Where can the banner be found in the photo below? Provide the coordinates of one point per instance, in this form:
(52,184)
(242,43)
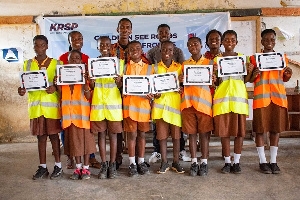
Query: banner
(144,29)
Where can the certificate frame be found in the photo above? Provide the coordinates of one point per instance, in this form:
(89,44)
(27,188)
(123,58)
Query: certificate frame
(146,89)
(259,57)
(188,70)
(156,87)
(91,68)
(60,79)
(222,69)
(42,85)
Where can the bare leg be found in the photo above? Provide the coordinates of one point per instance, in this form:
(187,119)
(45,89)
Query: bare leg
(55,146)
(193,144)
(225,146)
(102,145)
(205,144)
(42,145)
(259,139)
(176,148)
(238,145)
(113,146)
(141,144)
(274,139)
(163,150)
(131,143)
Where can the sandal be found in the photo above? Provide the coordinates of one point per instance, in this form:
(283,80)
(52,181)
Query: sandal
(94,163)
(70,163)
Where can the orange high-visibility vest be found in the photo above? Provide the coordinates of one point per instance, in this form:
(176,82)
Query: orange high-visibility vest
(138,108)
(268,86)
(198,96)
(75,107)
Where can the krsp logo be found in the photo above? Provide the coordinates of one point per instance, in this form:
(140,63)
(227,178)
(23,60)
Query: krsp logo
(62,27)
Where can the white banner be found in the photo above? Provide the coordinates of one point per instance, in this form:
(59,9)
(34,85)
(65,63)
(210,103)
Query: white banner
(144,29)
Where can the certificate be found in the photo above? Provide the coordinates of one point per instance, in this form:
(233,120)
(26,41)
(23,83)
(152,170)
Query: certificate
(103,67)
(167,82)
(34,80)
(270,61)
(231,66)
(70,74)
(197,74)
(136,85)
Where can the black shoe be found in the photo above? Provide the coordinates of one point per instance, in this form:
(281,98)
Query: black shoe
(164,167)
(103,170)
(176,167)
(40,173)
(203,170)
(118,164)
(275,169)
(265,168)
(132,170)
(57,173)
(194,169)
(236,169)
(76,174)
(226,168)
(143,168)
(112,170)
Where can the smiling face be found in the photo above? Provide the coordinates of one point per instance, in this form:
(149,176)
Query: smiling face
(124,29)
(76,41)
(229,42)
(194,46)
(104,46)
(163,34)
(40,47)
(74,58)
(135,52)
(214,41)
(167,50)
(268,41)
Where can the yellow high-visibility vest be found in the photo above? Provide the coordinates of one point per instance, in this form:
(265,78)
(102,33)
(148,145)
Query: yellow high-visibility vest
(40,103)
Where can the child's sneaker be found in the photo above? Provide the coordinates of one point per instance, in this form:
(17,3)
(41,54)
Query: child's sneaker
(143,168)
(85,174)
(275,169)
(203,170)
(176,167)
(236,169)
(183,156)
(103,171)
(57,173)
(265,168)
(194,169)
(132,170)
(226,168)
(40,173)
(154,157)
(164,167)
(76,175)
(112,170)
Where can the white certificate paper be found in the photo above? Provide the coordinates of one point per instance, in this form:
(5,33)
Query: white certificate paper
(136,85)
(103,67)
(167,82)
(34,80)
(197,74)
(231,66)
(70,74)
(270,61)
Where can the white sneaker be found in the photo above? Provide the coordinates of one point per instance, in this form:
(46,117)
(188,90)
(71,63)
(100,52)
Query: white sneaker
(183,156)
(154,157)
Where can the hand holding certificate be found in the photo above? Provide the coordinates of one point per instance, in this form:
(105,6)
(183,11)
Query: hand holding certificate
(70,74)
(231,66)
(103,67)
(34,80)
(270,61)
(198,74)
(136,85)
(167,82)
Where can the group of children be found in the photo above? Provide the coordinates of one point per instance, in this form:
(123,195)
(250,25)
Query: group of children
(99,107)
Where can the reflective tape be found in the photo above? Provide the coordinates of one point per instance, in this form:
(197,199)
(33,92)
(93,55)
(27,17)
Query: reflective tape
(50,104)
(75,103)
(34,103)
(282,96)
(77,117)
(167,108)
(198,99)
(204,87)
(225,78)
(135,109)
(149,70)
(262,96)
(28,67)
(109,107)
(232,99)
(105,85)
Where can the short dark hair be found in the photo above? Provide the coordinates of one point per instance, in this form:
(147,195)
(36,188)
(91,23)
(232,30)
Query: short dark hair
(103,37)
(266,31)
(40,37)
(229,32)
(163,25)
(124,20)
(211,32)
(70,35)
(196,39)
(167,42)
(74,51)
(134,42)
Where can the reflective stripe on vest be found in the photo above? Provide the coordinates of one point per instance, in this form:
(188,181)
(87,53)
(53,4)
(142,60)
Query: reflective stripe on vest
(167,108)
(198,99)
(136,109)
(105,85)
(235,99)
(110,107)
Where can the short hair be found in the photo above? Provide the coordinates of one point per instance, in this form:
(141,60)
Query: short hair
(196,39)
(266,31)
(211,32)
(229,32)
(74,51)
(71,33)
(134,42)
(103,37)
(40,37)
(125,20)
(167,42)
(163,25)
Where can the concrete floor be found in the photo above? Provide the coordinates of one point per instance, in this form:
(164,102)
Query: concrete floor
(19,161)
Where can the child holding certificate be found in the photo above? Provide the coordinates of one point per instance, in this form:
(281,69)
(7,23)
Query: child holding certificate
(166,111)
(136,111)
(270,113)
(196,110)
(230,107)
(79,141)
(44,112)
(106,113)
